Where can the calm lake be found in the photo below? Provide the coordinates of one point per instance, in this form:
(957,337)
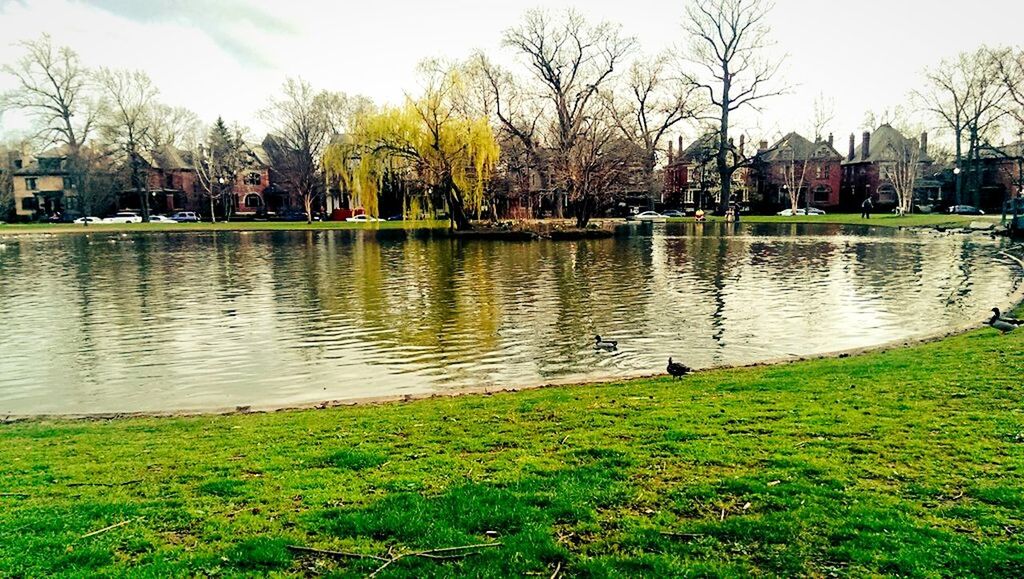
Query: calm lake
(157,322)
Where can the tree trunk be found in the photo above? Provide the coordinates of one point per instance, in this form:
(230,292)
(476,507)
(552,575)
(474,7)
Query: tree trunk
(722,160)
(458,219)
(213,213)
(958,176)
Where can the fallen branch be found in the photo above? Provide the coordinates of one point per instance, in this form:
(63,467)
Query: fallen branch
(335,554)
(681,535)
(558,569)
(105,529)
(97,484)
(444,553)
(17,495)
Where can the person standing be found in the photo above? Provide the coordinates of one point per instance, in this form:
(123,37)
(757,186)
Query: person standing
(865,208)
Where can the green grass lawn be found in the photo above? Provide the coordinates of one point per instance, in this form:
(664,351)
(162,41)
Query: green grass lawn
(877,220)
(908,462)
(220,226)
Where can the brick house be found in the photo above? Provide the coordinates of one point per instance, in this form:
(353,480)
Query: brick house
(173,185)
(864,169)
(691,178)
(1000,176)
(795,161)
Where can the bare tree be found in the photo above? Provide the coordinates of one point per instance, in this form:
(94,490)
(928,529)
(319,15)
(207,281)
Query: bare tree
(572,60)
(172,126)
(518,117)
(967,95)
(301,120)
(52,87)
(218,161)
(126,123)
(901,168)
(651,102)
(794,176)
(729,42)
(600,164)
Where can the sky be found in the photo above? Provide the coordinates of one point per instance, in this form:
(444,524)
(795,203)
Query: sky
(227,57)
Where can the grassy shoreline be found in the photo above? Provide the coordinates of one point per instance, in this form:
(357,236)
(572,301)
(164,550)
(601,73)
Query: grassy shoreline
(882,220)
(908,461)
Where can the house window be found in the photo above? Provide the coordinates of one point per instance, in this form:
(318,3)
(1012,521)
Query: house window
(819,172)
(17,164)
(828,171)
(169,181)
(822,194)
(252,200)
(30,184)
(29,204)
(253,179)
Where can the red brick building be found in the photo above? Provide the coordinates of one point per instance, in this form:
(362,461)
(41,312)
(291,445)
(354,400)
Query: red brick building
(173,185)
(796,162)
(691,176)
(864,169)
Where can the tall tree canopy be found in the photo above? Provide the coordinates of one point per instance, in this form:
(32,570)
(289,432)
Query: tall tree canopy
(432,138)
(729,40)
(571,60)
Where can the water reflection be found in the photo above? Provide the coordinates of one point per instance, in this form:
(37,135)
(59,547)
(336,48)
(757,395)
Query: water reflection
(158,322)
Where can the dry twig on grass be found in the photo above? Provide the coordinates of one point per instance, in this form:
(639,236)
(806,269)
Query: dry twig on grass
(444,554)
(105,529)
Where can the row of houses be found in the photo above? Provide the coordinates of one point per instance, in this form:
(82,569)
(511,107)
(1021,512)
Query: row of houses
(831,180)
(45,185)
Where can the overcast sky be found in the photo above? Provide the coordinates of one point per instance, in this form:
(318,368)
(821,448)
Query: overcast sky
(225,57)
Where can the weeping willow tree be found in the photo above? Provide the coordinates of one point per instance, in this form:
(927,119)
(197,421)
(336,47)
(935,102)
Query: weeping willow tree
(432,139)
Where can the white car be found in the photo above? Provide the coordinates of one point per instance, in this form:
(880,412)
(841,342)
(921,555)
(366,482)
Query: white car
(802,211)
(160,219)
(364,218)
(89,220)
(648,216)
(124,217)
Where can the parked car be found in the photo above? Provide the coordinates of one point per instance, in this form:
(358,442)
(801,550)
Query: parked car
(186,217)
(801,211)
(647,216)
(396,218)
(674,213)
(293,215)
(160,219)
(965,210)
(124,217)
(364,218)
(90,220)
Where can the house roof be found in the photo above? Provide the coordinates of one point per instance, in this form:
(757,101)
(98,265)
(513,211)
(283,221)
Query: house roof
(884,139)
(795,147)
(699,151)
(1009,151)
(167,158)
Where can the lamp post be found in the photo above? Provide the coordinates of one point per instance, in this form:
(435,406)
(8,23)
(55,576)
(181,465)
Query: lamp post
(956,181)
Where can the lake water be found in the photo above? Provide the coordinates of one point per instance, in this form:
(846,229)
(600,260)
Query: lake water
(157,322)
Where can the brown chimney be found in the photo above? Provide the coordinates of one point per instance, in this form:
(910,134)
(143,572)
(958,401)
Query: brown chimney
(924,144)
(762,146)
(680,145)
(865,145)
(743,143)
(830,139)
(670,152)
(853,149)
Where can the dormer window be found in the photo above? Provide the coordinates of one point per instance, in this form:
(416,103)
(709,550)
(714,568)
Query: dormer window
(31,184)
(253,179)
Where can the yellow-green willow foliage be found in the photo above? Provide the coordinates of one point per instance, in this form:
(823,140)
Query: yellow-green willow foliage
(426,140)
